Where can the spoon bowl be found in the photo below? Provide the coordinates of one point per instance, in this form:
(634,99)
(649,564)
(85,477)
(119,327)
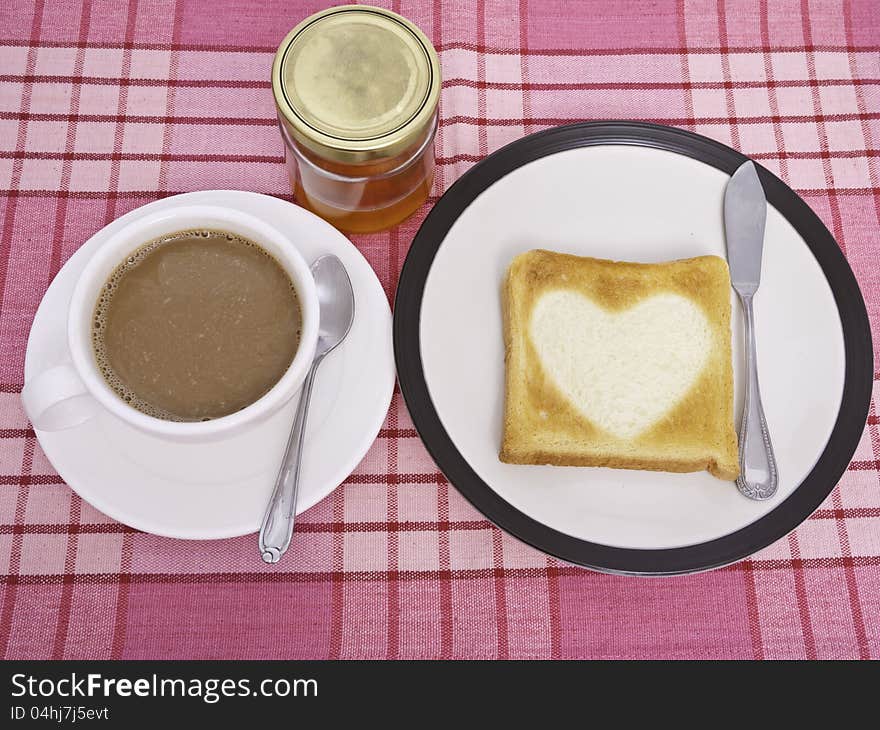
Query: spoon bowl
(336,303)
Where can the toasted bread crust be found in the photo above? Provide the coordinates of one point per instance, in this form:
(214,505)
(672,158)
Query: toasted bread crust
(726,471)
(541,427)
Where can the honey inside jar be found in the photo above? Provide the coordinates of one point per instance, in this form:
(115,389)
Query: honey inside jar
(356,90)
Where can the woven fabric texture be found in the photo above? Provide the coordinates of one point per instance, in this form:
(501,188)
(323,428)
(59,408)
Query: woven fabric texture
(107,105)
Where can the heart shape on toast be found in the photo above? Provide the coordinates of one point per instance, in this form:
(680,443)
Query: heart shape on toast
(622,370)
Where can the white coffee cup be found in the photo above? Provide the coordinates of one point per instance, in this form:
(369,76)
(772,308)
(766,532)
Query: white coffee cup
(72,392)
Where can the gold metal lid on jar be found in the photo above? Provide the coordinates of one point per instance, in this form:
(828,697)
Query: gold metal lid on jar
(356,83)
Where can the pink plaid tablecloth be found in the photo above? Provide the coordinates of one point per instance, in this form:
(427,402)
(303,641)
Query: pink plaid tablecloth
(106,105)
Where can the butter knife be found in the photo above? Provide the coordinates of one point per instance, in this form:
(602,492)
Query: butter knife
(745,212)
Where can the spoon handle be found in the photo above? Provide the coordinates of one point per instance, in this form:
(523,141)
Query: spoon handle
(758,474)
(277,526)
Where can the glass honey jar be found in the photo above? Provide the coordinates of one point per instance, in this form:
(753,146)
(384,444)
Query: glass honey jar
(356,89)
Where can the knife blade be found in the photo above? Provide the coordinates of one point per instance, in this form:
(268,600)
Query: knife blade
(745,216)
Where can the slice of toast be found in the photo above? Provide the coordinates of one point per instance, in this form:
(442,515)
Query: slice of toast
(619,364)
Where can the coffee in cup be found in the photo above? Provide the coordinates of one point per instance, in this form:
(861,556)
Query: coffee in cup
(195,325)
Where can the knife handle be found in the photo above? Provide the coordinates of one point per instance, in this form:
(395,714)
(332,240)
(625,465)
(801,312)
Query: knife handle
(758,477)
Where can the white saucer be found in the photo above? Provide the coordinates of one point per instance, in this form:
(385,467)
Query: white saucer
(220,489)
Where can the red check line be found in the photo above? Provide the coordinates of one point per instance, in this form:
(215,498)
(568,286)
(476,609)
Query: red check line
(852,587)
(447,627)
(428,477)
(62,624)
(524,55)
(862,106)
(836,223)
(371,576)
(444,561)
(752,609)
(21,501)
(648,51)
(141,119)
(482,132)
(728,84)
(28,480)
(397,433)
(337,588)
(502,650)
(554,601)
(141,46)
(771,90)
(65,603)
(15,433)
(69,144)
(846,513)
(393,538)
(439,183)
(446,612)
(119,131)
(801,595)
(670,121)
(123,582)
(245,577)
(685,65)
(812,155)
(725,69)
(168,129)
(120,623)
(128,81)
(139,157)
(445,121)
(145,195)
(864,465)
(442,524)
(20,139)
(875,446)
(242,84)
(150,195)
(775,155)
(462,46)
(279,159)
(70,528)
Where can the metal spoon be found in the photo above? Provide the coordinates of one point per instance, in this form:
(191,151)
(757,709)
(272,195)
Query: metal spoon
(336,300)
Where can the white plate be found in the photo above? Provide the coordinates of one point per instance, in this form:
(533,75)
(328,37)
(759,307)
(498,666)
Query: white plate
(625,202)
(220,489)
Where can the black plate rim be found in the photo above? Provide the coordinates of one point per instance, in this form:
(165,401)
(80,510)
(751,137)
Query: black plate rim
(784,518)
